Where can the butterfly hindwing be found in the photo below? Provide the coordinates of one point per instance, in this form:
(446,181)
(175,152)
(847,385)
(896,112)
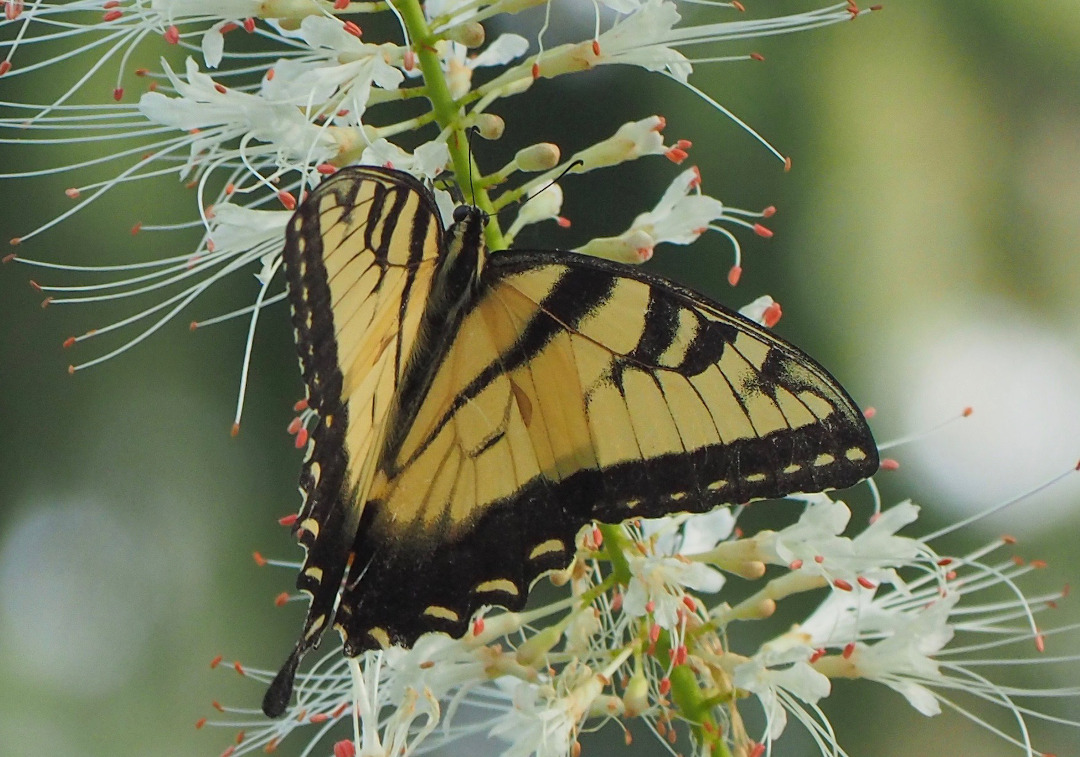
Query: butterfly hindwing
(575,390)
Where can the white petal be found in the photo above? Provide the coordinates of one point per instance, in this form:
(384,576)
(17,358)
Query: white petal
(505,48)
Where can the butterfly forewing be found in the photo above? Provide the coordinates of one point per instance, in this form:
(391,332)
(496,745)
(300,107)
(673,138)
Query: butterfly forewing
(484,427)
(359,258)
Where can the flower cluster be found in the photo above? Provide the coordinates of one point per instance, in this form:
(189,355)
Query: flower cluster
(645,634)
(253,103)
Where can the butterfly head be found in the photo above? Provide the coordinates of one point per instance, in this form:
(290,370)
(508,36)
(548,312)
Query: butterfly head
(467,236)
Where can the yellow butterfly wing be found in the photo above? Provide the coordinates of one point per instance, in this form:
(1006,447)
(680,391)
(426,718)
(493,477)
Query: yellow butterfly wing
(359,257)
(575,390)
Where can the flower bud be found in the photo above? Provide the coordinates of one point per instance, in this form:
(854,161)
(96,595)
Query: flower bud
(538,157)
(489,126)
(470,34)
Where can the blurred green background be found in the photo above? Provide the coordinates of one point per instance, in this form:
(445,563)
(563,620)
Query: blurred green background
(925,250)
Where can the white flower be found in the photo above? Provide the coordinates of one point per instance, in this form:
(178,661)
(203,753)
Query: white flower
(780,676)
(658,584)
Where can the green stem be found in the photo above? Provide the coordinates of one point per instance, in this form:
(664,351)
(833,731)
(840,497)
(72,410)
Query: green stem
(447,113)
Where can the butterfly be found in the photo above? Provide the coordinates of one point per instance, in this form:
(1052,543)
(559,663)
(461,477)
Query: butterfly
(475,411)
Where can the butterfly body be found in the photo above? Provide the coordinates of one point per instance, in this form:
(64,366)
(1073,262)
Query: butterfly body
(476,411)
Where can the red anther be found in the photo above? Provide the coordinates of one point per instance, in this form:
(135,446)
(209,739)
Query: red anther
(345,747)
(738,6)
(535,70)
(734,274)
(269,74)
(342,113)
(200,723)
(950,576)
(111,4)
(295,425)
(1040,642)
(9,257)
(301,405)
(35,285)
(769,212)
(695,182)
(757,56)
(217,706)
(239,668)
(239,737)
(819,559)
(249,25)
(326,168)
(616,602)
(478,627)
(598,538)
(654,633)
(281,599)
(71,370)
(340,710)
(665,686)
(287,200)
(849,649)
(234,431)
(967,411)
(259,559)
(763,231)
(228,752)
(596,47)
(69,342)
(889,464)
(318,717)
(15,241)
(45,302)
(795,564)
(650,606)
(353,29)
(563,222)
(172,35)
(772,315)
(787,164)
(676,155)
(118,94)
(869,412)
(340,5)
(229,27)
(817,654)
(153,86)
(216,661)
(1066,590)
(287,520)
(944,561)
(408,60)
(842,585)
(72,192)
(680,655)
(136,228)
(644,253)
(1038,564)
(1017,560)
(691,605)
(866,583)
(210,246)
(5,67)
(301,438)
(220,88)
(112,15)
(230,188)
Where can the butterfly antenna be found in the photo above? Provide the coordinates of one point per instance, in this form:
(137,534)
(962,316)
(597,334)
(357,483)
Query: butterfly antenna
(562,173)
(472,190)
